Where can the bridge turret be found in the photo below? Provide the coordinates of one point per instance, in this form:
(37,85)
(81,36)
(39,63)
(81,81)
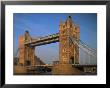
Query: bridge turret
(62,24)
(26,31)
(27,36)
(69,22)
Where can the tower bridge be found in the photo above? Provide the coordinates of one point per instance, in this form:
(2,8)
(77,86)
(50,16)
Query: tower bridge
(69,50)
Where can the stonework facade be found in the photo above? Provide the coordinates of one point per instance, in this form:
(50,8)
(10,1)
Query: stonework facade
(26,53)
(69,52)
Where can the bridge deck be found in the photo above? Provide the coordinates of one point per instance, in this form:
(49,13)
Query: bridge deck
(44,40)
(76,65)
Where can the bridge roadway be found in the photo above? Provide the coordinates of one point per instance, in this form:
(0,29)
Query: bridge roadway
(44,40)
(50,66)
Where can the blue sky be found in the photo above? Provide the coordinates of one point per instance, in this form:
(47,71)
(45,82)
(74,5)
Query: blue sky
(46,24)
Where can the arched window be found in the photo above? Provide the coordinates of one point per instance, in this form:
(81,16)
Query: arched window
(72,60)
(28,63)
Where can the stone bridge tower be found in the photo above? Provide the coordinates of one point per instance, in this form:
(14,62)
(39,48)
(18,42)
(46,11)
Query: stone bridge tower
(68,51)
(26,53)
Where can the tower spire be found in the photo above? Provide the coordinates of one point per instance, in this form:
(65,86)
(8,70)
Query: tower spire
(69,22)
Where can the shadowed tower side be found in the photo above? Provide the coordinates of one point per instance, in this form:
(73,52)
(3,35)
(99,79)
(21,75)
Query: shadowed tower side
(26,53)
